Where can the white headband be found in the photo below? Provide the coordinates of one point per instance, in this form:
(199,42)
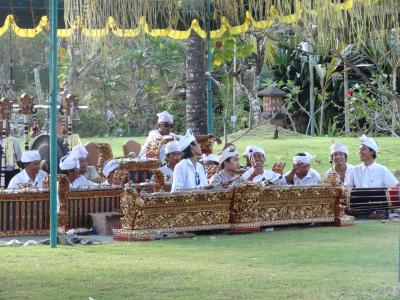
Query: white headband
(369,142)
(303,159)
(339,147)
(69,162)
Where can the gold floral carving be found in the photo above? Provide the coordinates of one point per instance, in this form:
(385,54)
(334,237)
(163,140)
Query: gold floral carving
(211,170)
(5,108)
(63,190)
(332,179)
(167,211)
(134,165)
(105,153)
(132,208)
(26,103)
(158,179)
(206,142)
(153,149)
(246,203)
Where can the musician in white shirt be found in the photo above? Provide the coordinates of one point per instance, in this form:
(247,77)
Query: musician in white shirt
(109,170)
(173,156)
(339,153)
(229,162)
(69,166)
(257,173)
(189,173)
(369,173)
(163,133)
(302,173)
(31,174)
(89,172)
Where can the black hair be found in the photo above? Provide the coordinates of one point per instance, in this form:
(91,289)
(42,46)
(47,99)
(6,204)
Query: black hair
(301,154)
(373,153)
(187,153)
(223,163)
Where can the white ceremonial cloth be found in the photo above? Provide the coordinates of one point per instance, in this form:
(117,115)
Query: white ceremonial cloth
(267,175)
(349,167)
(22,178)
(374,175)
(311,178)
(17,153)
(184,176)
(81,182)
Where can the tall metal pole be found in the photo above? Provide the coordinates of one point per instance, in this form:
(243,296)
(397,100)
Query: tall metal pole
(311,71)
(209,86)
(346,100)
(53,121)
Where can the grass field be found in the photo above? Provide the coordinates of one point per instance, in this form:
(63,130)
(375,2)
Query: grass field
(288,144)
(357,262)
(304,262)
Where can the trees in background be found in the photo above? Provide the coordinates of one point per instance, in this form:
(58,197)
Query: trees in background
(140,77)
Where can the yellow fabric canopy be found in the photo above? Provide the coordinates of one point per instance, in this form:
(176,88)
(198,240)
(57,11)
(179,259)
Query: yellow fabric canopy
(112,28)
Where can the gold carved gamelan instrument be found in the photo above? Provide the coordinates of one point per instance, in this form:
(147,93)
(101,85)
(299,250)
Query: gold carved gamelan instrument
(27,109)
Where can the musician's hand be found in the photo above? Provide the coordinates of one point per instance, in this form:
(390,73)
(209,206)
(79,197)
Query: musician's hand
(225,184)
(166,139)
(278,167)
(258,170)
(266,182)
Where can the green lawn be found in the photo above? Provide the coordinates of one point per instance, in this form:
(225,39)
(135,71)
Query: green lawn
(357,262)
(287,145)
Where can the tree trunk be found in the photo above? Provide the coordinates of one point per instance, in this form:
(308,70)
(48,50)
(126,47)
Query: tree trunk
(394,101)
(196,105)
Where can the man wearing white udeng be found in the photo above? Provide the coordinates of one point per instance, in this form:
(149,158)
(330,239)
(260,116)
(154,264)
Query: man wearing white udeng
(369,173)
(339,154)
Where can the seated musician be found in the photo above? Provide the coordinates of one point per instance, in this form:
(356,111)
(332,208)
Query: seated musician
(247,153)
(173,156)
(109,170)
(189,173)
(211,164)
(162,133)
(339,153)
(89,172)
(31,174)
(369,173)
(257,173)
(302,173)
(210,160)
(70,166)
(230,165)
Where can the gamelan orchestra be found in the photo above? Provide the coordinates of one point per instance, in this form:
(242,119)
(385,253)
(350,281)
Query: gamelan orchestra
(175,183)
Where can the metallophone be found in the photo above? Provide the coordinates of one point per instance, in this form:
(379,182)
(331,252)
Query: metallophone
(246,207)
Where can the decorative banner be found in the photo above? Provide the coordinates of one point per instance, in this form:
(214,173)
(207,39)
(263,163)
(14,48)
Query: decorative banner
(112,27)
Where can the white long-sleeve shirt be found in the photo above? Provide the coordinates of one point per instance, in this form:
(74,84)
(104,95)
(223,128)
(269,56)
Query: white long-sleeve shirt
(81,182)
(267,175)
(16,152)
(374,175)
(184,176)
(22,178)
(311,178)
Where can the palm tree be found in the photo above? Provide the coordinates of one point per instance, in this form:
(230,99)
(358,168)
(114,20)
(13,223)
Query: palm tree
(196,105)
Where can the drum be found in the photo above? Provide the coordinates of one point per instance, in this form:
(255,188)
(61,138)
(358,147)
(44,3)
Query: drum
(41,143)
